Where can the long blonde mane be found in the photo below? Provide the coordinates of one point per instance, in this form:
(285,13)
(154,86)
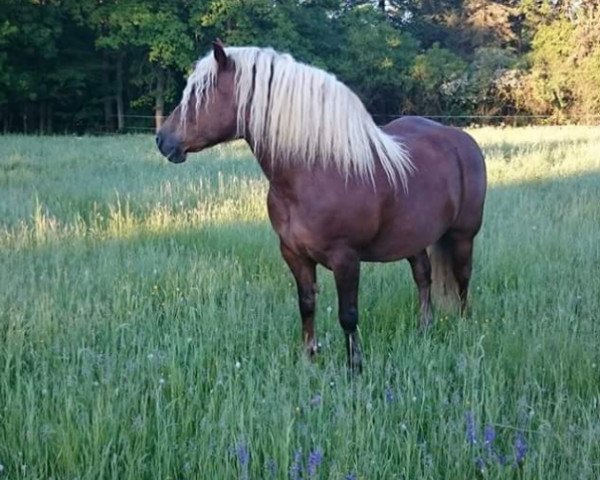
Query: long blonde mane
(300,113)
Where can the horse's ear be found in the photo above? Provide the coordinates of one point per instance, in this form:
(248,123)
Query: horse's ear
(219,53)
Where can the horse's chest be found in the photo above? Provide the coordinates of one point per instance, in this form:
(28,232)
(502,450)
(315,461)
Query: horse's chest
(293,228)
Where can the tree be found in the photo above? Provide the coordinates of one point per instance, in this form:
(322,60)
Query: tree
(76,65)
(28,38)
(155,32)
(437,73)
(564,65)
(376,62)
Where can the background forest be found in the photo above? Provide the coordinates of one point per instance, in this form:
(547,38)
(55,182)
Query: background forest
(109,65)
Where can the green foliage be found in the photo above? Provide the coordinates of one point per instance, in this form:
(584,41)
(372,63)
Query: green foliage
(257,22)
(28,42)
(437,74)
(157,27)
(77,59)
(7,31)
(564,75)
(376,61)
(305,29)
(486,69)
(589,91)
(552,69)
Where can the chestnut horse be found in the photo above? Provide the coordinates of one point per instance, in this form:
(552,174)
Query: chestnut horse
(341,189)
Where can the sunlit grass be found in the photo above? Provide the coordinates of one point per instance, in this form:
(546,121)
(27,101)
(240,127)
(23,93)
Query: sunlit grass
(149,328)
(516,155)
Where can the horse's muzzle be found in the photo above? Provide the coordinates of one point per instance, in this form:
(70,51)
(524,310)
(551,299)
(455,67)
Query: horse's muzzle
(170,147)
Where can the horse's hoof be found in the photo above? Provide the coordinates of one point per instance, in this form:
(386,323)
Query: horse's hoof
(426,318)
(312,350)
(426,324)
(354,371)
(355,366)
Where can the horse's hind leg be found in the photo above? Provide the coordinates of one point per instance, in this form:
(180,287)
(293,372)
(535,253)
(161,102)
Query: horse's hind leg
(461,248)
(304,271)
(421,271)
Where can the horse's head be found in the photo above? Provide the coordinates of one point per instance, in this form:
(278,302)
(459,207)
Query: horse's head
(207,114)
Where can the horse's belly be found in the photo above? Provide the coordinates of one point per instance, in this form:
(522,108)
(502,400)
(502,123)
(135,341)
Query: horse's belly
(390,251)
(408,232)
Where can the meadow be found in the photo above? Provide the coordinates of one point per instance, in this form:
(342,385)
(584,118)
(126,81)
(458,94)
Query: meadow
(149,328)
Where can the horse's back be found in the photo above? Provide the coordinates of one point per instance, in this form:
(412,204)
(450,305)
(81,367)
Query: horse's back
(425,130)
(421,134)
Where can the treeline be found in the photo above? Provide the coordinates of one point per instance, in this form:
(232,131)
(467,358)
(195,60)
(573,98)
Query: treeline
(107,65)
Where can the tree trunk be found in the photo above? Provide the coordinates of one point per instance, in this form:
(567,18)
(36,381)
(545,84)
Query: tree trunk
(159,106)
(42,116)
(48,117)
(109,122)
(119,93)
(381,4)
(25,119)
(8,121)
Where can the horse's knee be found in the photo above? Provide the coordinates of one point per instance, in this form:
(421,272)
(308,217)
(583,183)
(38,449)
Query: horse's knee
(349,319)
(307,304)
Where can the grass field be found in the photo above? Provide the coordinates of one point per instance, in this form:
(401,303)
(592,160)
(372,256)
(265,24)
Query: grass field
(149,328)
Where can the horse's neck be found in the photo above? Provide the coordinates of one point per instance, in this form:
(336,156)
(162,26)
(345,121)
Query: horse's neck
(266,161)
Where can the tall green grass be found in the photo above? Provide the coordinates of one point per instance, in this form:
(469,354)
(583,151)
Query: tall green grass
(149,328)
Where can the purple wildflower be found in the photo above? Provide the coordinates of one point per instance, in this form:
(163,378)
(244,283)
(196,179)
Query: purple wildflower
(489,435)
(296,467)
(243,456)
(314,461)
(351,476)
(389,395)
(470,427)
(316,400)
(520,448)
(480,464)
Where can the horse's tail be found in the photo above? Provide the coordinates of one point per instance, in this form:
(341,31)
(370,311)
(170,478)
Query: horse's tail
(444,288)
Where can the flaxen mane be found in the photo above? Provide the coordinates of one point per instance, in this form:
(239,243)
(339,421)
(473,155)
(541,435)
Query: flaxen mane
(301,113)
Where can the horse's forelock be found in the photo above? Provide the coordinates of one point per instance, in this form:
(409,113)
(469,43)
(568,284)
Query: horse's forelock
(199,86)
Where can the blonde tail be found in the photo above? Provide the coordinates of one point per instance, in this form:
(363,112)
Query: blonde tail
(444,288)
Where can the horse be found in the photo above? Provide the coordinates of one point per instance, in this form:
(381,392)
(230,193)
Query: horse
(341,189)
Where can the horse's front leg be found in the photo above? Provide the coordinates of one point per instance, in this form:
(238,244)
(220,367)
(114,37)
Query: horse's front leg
(304,271)
(346,270)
